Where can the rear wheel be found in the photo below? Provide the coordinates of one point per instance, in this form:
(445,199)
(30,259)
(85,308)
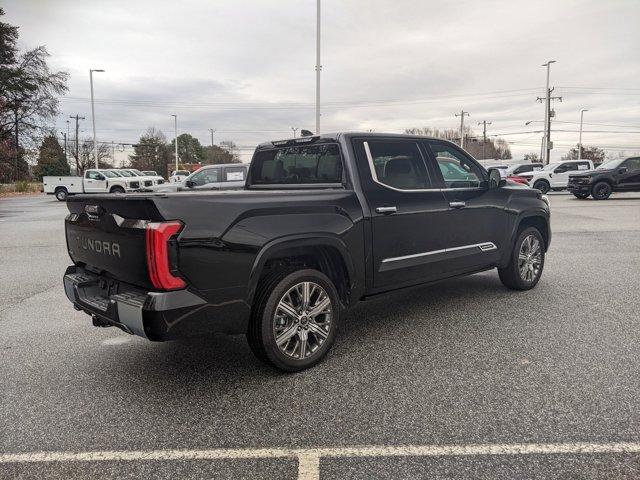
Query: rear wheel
(294,319)
(61,194)
(581,196)
(526,263)
(117,190)
(601,191)
(542,185)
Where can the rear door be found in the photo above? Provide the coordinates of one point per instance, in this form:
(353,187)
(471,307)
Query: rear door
(476,223)
(94,182)
(630,180)
(408,212)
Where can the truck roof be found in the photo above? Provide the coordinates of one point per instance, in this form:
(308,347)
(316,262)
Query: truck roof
(333,137)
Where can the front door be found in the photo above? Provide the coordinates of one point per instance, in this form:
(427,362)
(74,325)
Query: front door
(560,175)
(207,179)
(94,182)
(630,179)
(477,223)
(408,213)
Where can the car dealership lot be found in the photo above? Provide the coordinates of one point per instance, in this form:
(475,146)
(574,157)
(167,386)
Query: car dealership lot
(462,363)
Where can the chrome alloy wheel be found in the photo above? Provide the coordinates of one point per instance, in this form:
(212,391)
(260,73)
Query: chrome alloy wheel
(302,320)
(530,258)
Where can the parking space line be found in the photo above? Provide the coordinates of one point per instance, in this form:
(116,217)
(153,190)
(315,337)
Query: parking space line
(309,458)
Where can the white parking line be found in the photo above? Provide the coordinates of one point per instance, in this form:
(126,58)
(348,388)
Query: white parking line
(309,458)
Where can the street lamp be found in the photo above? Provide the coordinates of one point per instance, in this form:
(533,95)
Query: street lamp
(547,120)
(175,126)
(93,117)
(295,129)
(580,139)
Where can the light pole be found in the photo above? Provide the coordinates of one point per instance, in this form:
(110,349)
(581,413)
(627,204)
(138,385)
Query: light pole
(580,140)
(93,117)
(295,129)
(547,119)
(175,126)
(318,67)
(461,115)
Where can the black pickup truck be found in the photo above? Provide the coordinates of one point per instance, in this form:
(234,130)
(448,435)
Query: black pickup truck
(323,222)
(620,175)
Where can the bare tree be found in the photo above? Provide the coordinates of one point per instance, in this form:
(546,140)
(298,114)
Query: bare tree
(86,156)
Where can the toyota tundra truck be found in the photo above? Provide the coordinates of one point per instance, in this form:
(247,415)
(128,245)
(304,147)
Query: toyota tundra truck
(322,222)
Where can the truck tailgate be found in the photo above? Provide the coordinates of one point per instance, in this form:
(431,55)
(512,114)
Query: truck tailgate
(107,235)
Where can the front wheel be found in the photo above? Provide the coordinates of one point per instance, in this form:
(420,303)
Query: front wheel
(294,319)
(526,262)
(117,190)
(542,185)
(581,196)
(601,191)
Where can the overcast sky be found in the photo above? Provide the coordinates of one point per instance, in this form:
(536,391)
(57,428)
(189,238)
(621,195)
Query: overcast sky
(246,68)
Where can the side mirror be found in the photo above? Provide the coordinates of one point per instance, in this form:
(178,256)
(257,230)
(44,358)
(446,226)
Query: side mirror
(190,183)
(622,170)
(495,178)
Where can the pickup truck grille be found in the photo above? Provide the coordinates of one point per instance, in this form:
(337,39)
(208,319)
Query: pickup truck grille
(134,184)
(148,183)
(160,182)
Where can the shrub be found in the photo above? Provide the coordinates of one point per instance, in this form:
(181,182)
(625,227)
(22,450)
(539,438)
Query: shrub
(22,186)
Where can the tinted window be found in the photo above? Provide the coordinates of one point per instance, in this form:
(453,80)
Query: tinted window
(234,174)
(632,164)
(457,170)
(205,176)
(397,164)
(297,165)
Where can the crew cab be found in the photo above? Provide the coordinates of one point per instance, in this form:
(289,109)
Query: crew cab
(322,222)
(93,181)
(555,176)
(210,177)
(620,175)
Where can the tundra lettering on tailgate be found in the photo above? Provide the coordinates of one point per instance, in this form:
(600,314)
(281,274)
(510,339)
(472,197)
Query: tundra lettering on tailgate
(98,246)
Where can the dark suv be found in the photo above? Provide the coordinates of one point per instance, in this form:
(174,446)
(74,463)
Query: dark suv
(620,175)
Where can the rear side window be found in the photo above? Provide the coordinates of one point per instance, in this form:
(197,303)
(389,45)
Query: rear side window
(397,164)
(306,164)
(234,174)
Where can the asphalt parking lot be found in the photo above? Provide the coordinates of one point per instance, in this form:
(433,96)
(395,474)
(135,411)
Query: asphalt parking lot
(540,384)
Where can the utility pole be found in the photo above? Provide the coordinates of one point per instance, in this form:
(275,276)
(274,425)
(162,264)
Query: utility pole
(93,117)
(64,135)
(175,125)
(68,138)
(461,115)
(295,129)
(77,118)
(580,140)
(212,130)
(318,67)
(484,124)
(548,144)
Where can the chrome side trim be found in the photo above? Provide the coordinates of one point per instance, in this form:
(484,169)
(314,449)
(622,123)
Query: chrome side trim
(484,247)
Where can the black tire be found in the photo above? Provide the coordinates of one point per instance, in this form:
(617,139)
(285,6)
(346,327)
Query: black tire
(581,196)
(542,185)
(601,191)
(510,275)
(261,334)
(61,194)
(116,190)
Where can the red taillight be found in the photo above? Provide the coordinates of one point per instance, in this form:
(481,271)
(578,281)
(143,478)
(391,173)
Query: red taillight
(157,237)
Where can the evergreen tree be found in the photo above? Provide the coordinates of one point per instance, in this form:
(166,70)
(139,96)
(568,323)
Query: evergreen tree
(51,159)
(189,149)
(152,152)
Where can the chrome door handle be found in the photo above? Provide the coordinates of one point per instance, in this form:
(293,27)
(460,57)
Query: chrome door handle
(386,209)
(457,204)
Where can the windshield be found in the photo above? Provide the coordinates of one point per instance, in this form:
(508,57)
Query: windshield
(124,173)
(109,173)
(148,172)
(180,172)
(137,172)
(611,164)
(551,166)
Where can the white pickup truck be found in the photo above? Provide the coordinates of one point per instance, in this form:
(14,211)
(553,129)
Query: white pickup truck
(93,181)
(555,176)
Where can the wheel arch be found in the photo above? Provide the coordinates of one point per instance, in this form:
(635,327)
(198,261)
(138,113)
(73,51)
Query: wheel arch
(540,222)
(325,253)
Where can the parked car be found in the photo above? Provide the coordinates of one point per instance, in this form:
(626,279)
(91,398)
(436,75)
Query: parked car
(159,180)
(620,175)
(555,176)
(520,168)
(93,181)
(322,223)
(518,179)
(178,176)
(210,177)
(146,181)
